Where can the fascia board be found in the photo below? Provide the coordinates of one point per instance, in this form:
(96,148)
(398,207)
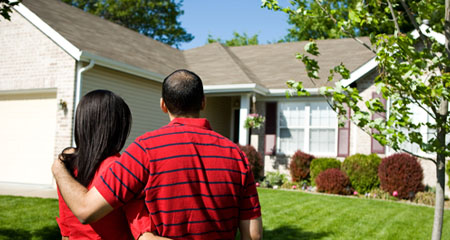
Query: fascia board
(427,31)
(360,72)
(120,66)
(48,31)
(282,92)
(235,88)
(251,88)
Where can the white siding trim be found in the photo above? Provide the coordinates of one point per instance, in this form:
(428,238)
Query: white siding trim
(28,91)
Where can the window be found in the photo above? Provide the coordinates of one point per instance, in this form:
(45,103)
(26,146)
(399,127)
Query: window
(419,115)
(308,126)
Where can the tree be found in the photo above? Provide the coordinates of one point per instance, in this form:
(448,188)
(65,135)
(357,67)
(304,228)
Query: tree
(5,8)
(311,22)
(413,70)
(237,40)
(154,18)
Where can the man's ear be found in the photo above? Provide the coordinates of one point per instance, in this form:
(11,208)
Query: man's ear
(203,103)
(163,106)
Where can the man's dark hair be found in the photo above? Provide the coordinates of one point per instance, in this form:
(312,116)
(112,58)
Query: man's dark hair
(102,125)
(182,92)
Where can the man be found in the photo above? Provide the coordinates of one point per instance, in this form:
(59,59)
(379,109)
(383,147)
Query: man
(196,183)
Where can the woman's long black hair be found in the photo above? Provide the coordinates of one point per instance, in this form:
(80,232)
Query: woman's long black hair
(102,125)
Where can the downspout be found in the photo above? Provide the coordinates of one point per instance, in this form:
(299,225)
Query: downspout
(79,80)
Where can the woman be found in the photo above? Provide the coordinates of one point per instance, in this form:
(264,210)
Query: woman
(102,125)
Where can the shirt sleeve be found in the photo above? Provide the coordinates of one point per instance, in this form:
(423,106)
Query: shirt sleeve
(62,219)
(138,218)
(125,178)
(249,205)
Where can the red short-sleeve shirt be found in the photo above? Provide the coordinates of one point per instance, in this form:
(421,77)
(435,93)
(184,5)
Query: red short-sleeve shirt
(197,183)
(115,225)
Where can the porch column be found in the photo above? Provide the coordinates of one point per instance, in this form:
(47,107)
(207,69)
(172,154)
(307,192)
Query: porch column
(243,113)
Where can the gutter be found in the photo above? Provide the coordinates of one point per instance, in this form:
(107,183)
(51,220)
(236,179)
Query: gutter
(78,86)
(251,88)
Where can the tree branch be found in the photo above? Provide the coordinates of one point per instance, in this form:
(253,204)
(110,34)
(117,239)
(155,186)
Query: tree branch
(414,23)
(394,17)
(343,29)
(418,156)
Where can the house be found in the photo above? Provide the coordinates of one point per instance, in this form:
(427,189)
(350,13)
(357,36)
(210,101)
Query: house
(53,53)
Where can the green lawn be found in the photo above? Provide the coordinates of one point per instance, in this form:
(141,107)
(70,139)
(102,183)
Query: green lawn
(28,218)
(295,215)
(287,215)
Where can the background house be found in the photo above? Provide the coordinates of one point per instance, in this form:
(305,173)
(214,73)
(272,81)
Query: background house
(53,53)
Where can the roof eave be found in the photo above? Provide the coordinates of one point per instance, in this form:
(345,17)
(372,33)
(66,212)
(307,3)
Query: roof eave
(80,55)
(48,31)
(252,88)
(121,66)
(360,72)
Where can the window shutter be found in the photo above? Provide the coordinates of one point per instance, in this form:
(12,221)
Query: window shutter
(376,147)
(271,128)
(344,136)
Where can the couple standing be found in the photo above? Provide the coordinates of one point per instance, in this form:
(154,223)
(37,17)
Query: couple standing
(182,181)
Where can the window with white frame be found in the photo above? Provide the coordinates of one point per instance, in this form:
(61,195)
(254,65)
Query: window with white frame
(419,115)
(307,126)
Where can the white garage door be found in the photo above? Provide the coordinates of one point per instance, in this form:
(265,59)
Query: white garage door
(27,137)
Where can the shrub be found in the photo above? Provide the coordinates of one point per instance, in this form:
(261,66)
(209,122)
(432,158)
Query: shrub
(362,170)
(275,179)
(320,164)
(299,166)
(401,172)
(447,169)
(380,194)
(290,185)
(427,198)
(333,181)
(255,160)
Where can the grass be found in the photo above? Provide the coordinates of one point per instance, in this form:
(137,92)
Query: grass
(295,215)
(287,215)
(28,218)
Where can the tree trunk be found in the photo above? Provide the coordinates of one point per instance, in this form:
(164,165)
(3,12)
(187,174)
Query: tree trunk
(440,161)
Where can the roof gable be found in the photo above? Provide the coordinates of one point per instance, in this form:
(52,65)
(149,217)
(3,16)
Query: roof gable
(100,37)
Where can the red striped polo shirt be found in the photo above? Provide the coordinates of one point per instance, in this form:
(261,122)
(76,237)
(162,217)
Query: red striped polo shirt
(196,183)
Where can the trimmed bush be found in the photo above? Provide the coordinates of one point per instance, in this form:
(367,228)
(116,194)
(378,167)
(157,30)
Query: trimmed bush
(299,166)
(321,164)
(362,170)
(255,160)
(333,181)
(401,172)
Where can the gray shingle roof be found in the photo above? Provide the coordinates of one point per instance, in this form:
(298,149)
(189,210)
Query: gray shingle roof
(268,65)
(101,37)
(273,64)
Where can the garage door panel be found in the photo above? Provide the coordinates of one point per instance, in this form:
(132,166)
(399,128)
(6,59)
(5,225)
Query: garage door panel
(27,127)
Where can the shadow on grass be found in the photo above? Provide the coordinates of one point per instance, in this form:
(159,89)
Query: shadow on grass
(292,233)
(47,232)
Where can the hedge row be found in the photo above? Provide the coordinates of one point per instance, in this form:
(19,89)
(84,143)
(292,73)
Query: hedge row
(399,174)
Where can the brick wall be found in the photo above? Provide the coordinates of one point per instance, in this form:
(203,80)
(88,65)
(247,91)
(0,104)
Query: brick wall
(29,61)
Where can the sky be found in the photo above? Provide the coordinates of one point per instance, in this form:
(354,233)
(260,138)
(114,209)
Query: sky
(221,18)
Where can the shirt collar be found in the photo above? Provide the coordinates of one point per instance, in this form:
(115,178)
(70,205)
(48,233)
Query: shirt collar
(193,122)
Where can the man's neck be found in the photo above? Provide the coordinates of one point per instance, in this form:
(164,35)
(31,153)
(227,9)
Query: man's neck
(194,115)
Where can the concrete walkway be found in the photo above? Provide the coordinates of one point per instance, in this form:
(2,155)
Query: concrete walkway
(28,190)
